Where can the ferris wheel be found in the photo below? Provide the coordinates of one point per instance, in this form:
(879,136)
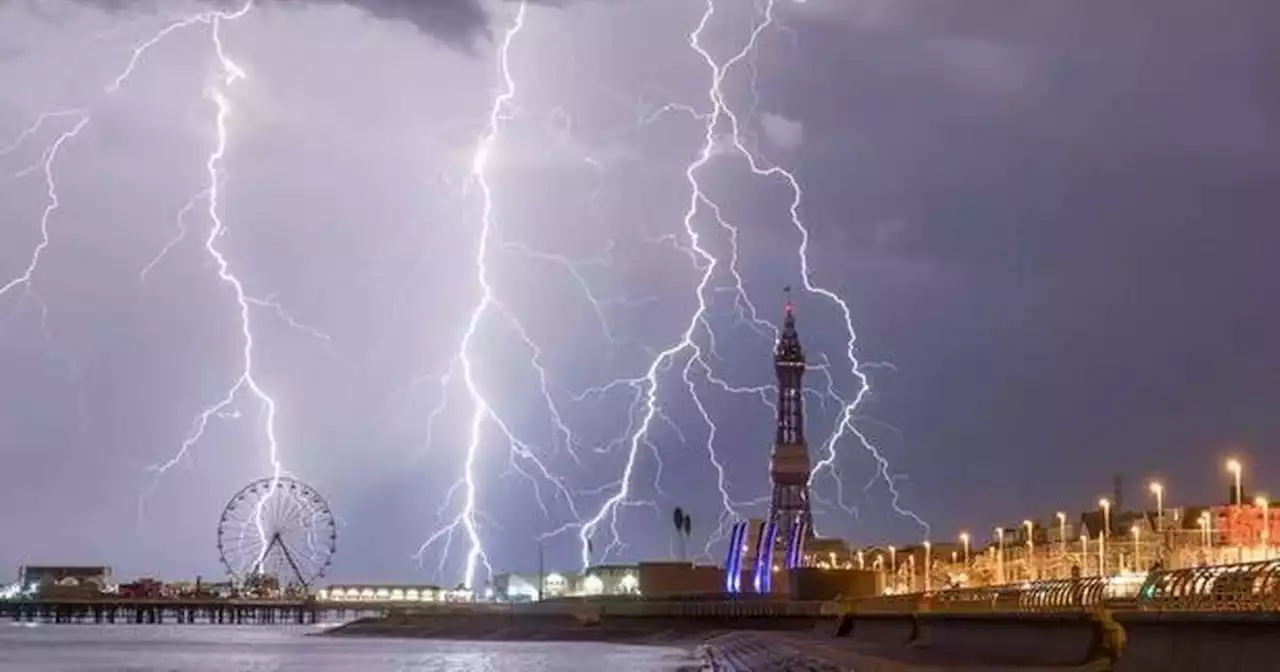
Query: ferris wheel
(277,529)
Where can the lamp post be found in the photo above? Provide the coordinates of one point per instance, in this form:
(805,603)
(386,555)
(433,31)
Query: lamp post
(1137,538)
(964,541)
(893,566)
(1031,549)
(1206,530)
(1105,505)
(1157,489)
(928,548)
(1236,469)
(1265,505)
(1062,542)
(1000,555)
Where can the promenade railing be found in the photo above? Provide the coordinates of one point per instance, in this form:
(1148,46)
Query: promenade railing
(1244,587)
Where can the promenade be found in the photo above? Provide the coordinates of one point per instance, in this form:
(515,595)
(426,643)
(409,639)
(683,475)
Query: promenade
(1204,619)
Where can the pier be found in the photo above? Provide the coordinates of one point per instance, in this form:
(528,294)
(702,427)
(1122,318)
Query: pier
(185,611)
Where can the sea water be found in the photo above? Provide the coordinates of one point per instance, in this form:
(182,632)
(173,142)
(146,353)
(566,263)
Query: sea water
(224,648)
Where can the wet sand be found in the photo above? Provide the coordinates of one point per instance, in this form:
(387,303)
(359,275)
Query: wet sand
(509,627)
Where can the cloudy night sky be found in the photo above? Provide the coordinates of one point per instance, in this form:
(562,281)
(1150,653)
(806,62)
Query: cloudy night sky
(1053,224)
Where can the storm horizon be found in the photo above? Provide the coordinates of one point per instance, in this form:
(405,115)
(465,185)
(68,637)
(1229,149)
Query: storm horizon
(506,269)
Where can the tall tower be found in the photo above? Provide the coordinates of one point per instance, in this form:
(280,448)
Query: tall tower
(789,463)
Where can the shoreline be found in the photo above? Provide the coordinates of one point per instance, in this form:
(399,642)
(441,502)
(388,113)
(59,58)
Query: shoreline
(661,632)
(639,631)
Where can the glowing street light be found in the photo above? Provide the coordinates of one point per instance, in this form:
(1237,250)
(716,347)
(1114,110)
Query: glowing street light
(1157,489)
(1236,469)
(1031,548)
(928,549)
(1105,504)
(1000,555)
(964,540)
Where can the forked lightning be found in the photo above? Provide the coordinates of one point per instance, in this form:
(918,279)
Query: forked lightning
(689,351)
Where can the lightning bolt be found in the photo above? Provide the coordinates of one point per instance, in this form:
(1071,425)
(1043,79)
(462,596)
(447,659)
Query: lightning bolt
(845,424)
(523,456)
(246,379)
(647,403)
(692,352)
(47,164)
(721,113)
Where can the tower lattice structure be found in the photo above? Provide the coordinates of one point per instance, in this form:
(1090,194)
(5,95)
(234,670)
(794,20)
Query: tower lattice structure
(789,462)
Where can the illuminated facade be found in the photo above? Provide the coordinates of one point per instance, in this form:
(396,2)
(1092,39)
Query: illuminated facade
(389,593)
(65,580)
(1250,525)
(598,580)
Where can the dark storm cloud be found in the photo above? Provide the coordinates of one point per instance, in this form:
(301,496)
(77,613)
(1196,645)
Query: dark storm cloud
(1097,183)
(459,23)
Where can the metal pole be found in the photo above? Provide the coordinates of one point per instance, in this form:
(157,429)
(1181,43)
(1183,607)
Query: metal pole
(927,563)
(1102,554)
(1000,555)
(542,581)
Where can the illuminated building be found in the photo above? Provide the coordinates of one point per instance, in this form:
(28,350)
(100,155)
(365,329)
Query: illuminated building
(65,580)
(369,593)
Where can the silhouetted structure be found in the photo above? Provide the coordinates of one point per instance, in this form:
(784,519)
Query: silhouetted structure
(789,465)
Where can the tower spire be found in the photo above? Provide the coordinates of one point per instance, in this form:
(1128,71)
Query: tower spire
(789,512)
(789,365)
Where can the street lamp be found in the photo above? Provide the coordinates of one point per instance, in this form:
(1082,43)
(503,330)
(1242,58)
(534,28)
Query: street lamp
(1000,555)
(1236,469)
(1265,505)
(1137,537)
(1157,489)
(1105,504)
(1031,549)
(1062,539)
(928,547)
(964,540)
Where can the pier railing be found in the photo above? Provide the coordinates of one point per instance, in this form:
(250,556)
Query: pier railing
(1245,587)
